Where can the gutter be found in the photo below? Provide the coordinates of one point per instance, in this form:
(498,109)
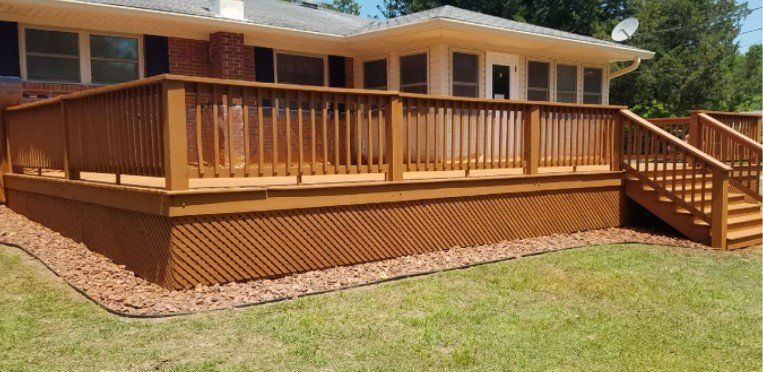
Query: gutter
(625,70)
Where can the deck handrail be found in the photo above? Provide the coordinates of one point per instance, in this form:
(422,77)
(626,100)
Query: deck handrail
(741,152)
(749,124)
(673,168)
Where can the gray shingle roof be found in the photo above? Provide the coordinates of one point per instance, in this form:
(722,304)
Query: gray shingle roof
(290,15)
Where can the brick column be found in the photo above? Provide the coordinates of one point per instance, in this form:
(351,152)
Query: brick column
(228,55)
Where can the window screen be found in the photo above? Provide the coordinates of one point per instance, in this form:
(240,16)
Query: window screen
(303,70)
(375,74)
(414,74)
(592,82)
(113,59)
(465,75)
(52,55)
(566,83)
(538,81)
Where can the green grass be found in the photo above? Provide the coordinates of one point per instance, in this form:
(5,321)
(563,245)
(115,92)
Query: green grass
(622,307)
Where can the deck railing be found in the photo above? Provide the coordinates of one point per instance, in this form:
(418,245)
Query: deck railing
(678,171)
(749,124)
(185,128)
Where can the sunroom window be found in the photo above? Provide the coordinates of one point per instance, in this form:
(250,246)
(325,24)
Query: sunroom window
(592,85)
(375,74)
(566,83)
(52,56)
(538,81)
(465,75)
(113,59)
(297,69)
(414,74)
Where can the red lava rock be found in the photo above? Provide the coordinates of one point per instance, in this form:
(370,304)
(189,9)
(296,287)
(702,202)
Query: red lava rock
(118,289)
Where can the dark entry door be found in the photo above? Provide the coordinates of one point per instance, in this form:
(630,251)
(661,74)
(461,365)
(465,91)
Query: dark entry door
(501,81)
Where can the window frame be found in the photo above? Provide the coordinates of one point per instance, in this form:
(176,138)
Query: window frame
(324,57)
(400,69)
(85,61)
(480,69)
(604,72)
(551,78)
(363,70)
(578,82)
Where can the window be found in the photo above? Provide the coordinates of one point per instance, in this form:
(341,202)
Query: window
(375,74)
(52,56)
(303,70)
(414,74)
(566,83)
(465,75)
(538,81)
(592,84)
(113,59)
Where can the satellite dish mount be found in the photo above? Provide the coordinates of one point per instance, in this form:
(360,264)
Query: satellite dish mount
(625,29)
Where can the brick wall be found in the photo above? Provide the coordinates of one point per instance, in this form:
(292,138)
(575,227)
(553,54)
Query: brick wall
(229,56)
(189,57)
(36,91)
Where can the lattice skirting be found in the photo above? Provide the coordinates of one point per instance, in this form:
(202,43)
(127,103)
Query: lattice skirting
(181,252)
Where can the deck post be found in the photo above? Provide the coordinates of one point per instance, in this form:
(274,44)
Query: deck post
(5,159)
(394,139)
(6,138)
(719,218)
(532,139)
(70,171)
(694,129)
(618,132)
(174,130)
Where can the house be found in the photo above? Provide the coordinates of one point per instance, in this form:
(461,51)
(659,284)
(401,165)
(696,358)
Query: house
(63,46)
(198,141)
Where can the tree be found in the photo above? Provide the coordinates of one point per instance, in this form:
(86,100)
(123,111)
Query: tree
(696,63)
(344,6)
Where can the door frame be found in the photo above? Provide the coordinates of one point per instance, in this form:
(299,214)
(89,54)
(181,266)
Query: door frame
(504,59)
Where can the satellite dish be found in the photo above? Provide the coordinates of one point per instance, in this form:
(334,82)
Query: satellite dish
(625,29)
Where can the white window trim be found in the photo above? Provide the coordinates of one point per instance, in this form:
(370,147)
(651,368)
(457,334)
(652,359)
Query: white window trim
(363,61)
(578,78)
(551,77)
(84,52)
(480,69)
(322,56)
(400,67)
(604,79)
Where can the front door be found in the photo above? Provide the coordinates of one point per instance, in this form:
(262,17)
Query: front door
(501,82)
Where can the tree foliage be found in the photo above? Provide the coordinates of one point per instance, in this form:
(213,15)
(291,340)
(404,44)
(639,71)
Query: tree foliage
(344,6)
(697,63)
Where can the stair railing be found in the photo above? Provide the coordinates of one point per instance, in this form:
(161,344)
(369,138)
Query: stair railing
(733,148)
(678,171)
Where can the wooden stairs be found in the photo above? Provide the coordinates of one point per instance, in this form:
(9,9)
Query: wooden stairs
(744,226)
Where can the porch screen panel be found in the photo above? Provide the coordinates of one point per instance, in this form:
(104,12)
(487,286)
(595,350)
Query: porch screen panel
(414,73)
(538,81)
(592,85)
(302,70)
(375,74)
(566,83)
(52,56)
(465,75)
(113,59)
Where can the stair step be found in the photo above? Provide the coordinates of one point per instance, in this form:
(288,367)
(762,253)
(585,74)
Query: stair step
(744,238)
(744,221)
(733,198)
(734,209)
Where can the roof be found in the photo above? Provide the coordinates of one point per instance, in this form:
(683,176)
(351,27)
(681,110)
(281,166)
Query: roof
(290,15)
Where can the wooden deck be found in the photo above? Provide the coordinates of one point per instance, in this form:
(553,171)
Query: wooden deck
(189,180)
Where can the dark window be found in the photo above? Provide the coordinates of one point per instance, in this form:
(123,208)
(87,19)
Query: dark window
(592,84)
(156,54)
(466,75)
(52,55)
(113,59)
(375,74)
(566,83)
(414,74)
(9,49)
(337,72)
(263,65)
(538,81)
(303,70)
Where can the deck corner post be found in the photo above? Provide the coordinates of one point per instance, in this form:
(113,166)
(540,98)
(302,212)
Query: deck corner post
(694,129)
(394,137)
(532,139)
(174,130)
(5,160)
(720,202)
(70,171)
(618,134)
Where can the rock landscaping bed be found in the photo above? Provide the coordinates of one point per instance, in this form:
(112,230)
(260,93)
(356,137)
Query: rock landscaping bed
(120,291)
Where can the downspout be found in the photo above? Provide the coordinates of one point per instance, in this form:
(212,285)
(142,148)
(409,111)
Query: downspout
(627,69)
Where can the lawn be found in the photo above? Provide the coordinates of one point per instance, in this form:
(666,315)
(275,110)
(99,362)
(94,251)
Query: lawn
(619,307)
